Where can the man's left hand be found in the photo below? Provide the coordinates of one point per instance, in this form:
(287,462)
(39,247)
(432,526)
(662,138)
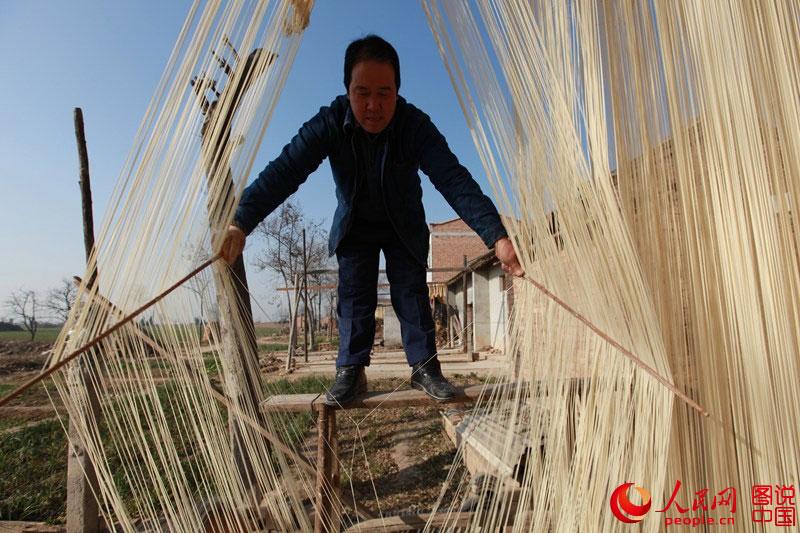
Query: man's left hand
(505,252)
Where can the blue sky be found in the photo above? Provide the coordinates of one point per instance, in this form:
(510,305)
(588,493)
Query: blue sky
(106,57)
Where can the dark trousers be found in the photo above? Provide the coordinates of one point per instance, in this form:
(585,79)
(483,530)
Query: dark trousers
(358,255)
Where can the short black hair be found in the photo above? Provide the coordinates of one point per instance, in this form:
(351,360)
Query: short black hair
(370,48)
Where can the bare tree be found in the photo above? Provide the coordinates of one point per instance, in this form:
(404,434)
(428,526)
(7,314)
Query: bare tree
(61,299)
(23,305)
(282,233)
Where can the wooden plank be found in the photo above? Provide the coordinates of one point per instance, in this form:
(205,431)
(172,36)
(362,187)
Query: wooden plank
(372,400)
(413,522)
(408,398)
(453,521)
(289,403)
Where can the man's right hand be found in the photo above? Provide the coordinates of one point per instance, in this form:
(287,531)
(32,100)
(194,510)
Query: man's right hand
(233,244)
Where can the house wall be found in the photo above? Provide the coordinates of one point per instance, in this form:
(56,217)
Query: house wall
(391,329)
(449,242)
(455,296)
(482,320)
(498,320)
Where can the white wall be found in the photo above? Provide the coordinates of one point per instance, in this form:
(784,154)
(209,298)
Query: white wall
(497,309)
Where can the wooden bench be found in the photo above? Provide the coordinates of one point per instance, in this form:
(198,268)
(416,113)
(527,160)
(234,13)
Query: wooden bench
(328,515)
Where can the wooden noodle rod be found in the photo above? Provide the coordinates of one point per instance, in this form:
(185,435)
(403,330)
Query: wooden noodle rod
(106,333)
(632,356)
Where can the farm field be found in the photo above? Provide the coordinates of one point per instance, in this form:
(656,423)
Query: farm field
(407,466)
(42,335)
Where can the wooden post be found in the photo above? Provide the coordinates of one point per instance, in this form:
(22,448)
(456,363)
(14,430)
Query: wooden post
(446,319)
(464,325)
(328,515)
(331,318)
(305,299)
(82,508)
(333,472)
(243,382)
(508,290)
(450,320)
(319,315)
(323,521)
(293,324)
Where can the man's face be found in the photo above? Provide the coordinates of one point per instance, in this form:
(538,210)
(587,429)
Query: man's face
(373,94)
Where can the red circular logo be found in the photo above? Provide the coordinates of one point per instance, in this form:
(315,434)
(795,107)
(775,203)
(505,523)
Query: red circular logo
(621,504)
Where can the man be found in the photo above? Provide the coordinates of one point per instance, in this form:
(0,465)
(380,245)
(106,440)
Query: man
(376,142)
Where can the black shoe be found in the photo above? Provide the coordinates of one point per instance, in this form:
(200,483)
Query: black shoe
(350,382)
(427,377)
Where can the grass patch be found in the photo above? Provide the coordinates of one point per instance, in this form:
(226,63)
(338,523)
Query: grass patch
(34,465)
(277,347)
(39,394)
(186,334)
(33,462)
(43,335)
(213,366)
(294,425)
(268,331)
(12,422)
(304,385)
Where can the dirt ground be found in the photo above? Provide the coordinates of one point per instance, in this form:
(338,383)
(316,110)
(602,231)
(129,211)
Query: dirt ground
(393,460)
(401,455)
(22,356)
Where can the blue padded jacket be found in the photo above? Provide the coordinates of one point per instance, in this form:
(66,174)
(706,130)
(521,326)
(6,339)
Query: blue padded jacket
(412,144)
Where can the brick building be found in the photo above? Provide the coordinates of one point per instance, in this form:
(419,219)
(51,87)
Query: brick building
(450,241)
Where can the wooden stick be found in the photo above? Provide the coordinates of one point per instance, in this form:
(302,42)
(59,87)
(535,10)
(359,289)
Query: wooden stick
(293,326)
(82,509)
(33,381)
(633,357)
(86,190)
(305,299)
(465,336)
(333,475)
(322,519)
